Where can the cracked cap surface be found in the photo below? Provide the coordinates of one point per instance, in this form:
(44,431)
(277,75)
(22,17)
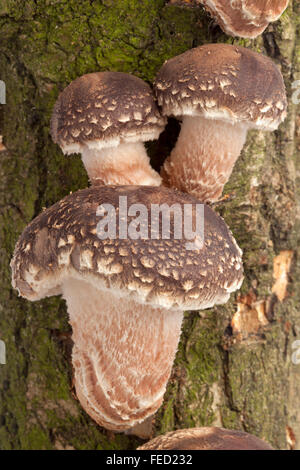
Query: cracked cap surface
(62,242)
(104,109)
(221,81)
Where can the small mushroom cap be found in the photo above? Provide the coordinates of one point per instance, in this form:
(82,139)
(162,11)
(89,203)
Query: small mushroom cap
(62,242)
(245,18)
(206,439)
(220,81)
(104,109)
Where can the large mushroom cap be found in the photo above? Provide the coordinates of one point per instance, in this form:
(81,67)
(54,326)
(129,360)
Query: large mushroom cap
(221,81)
(62,242)
(206,439)
(245,18)
(104,109)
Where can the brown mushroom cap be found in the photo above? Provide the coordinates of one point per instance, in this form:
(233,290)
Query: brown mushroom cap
(221,81)
(104,109)
(245,18)
(62,242)
(206,439)
(125,295)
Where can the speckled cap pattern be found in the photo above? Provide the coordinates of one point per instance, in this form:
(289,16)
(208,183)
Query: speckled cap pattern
(103,109)
(62,242)
(220,81)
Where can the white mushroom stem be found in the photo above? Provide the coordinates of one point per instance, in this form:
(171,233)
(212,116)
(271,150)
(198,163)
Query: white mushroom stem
(122,356)
(127,164)
(203,158)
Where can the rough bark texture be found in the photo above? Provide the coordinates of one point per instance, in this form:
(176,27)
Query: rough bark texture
(238,374)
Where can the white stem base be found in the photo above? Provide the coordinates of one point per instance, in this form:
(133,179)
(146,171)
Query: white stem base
(122,356)
(203,158)
(126,164)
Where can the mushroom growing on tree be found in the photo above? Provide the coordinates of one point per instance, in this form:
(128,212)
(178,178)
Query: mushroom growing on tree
(106,116)
(245,18)
(220,92)
(206,439)
(125,295)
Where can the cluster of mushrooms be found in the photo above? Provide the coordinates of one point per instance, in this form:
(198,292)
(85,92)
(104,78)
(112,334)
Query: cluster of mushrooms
(126,297)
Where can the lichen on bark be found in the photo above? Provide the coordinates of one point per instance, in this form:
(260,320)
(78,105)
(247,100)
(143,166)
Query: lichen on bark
(241,382)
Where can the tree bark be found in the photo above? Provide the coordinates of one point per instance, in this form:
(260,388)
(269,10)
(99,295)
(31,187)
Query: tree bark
(234,365)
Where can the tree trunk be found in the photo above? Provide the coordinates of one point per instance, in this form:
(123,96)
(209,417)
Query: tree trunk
(234,365)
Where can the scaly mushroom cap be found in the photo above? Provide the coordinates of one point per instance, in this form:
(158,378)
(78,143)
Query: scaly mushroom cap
(62,243)
(206,439)
(245,18)
(125,295)
(105,109)
(224,82)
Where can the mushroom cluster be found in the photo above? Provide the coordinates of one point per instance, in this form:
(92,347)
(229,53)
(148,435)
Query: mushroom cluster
(126,296)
